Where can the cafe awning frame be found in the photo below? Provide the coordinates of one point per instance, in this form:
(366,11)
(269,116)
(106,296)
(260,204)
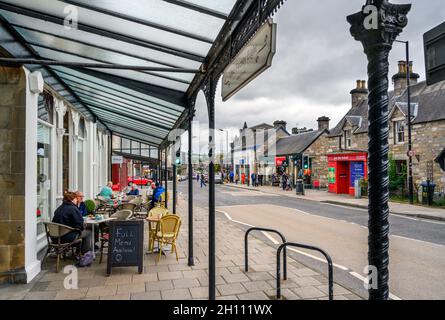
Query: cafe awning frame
(140,104)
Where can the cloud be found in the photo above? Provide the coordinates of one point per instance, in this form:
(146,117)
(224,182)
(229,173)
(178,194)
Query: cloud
(316,65)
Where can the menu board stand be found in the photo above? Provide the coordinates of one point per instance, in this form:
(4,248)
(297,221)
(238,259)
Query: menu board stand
(126,244)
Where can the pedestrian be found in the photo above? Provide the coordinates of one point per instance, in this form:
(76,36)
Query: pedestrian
(197,177)
(236,178)
(288,184)
(253,176)
(243,178)
(203,183)
(260,179)
(283,181)
(231,176)
(68,214)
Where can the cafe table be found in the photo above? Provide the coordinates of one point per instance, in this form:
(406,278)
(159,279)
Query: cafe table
(93,222)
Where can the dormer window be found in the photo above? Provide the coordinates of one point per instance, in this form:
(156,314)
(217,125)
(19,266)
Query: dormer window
(399,132)
(348,139)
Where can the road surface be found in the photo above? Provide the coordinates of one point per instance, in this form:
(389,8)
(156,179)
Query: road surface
(417,247)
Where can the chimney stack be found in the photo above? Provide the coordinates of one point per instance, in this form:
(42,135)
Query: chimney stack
(399,79)
(360,93)
(323,123)
(280,124)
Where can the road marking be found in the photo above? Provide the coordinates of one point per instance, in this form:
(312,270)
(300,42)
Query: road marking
(362,278)
(401,237)
(274,241)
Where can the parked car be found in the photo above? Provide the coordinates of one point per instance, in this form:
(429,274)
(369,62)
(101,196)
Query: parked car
(140,181)
(183,178)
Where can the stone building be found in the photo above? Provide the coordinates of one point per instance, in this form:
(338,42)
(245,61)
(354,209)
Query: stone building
(340,156)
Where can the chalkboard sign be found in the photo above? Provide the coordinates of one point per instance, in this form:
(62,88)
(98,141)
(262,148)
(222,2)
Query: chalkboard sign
(126,244)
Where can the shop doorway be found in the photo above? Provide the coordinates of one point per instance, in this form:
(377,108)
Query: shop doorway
(343,177)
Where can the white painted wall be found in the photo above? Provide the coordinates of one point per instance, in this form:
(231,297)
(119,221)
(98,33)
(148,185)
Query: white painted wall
(32,265)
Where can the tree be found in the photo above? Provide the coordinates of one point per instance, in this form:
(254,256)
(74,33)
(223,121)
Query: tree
(397,178)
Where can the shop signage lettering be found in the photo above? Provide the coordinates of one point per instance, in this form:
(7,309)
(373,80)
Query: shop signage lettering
(126,245)
(357,171)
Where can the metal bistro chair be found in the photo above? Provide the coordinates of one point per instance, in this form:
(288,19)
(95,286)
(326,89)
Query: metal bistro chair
(167,233)
(140,210)
(105,229)
(127,206)
(54,233)
(153,227)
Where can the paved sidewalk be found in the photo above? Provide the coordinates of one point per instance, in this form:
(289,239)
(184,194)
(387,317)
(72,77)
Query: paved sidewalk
(418,211)
(172,280)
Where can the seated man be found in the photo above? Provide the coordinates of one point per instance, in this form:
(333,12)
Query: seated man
(134,191)
(106,191)
(68,214)
(159,190)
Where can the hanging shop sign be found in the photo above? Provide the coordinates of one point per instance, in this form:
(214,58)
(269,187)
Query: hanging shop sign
(253,59)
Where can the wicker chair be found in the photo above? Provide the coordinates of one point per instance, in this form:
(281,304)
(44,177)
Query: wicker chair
(153,227)
(167,233)
(54,233)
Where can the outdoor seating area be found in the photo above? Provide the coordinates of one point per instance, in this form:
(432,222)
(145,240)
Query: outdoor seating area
(170,278)
(162,228)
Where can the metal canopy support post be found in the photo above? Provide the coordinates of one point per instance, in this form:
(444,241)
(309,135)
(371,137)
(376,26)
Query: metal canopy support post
(174,180)
(209,91)
(191,261)
(166,177)
(377,41)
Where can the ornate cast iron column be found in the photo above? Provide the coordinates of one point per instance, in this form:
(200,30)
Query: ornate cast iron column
(191,260)
(377,43)
(209,91)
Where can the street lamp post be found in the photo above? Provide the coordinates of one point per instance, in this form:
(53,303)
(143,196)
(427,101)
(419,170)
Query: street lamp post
(408,92)
(377,26)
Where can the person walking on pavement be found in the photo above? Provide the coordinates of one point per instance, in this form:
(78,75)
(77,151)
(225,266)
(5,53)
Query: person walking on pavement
(236,178)
(243,178)
(203,182)
(231,176)
(253,176)
(197,177)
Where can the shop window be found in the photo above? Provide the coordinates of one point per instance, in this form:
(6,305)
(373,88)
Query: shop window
(399,132)
(43,176)
(126,147)
(46,107)
(135,148)
(80,154)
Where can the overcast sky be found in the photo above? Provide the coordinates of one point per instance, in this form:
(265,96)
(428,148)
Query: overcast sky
(316,65)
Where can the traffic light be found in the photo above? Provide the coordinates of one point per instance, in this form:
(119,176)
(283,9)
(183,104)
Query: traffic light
(305,162)
(178,157)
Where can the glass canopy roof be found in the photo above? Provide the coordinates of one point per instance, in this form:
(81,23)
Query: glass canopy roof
(138,104)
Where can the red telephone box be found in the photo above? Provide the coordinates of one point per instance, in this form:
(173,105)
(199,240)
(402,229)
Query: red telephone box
(344,169)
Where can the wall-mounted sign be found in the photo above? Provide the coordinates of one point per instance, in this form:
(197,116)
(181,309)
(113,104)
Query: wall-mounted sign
(251,61)
(357,172)
(117,160)
(281,161)
(331,175)
(434,42)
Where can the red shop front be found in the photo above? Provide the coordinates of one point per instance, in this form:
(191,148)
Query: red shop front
(344,169)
